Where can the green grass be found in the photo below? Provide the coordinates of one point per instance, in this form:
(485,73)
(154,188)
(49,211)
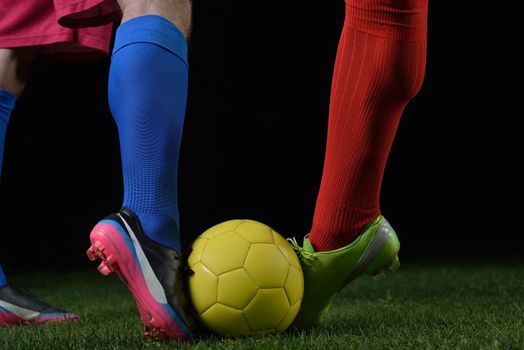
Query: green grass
(474,306)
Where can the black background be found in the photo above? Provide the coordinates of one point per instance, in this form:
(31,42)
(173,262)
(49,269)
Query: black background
(255,135)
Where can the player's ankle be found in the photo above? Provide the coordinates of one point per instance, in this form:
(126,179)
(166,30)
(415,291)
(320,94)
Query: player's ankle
(332,238)
(161,228)
(326,242)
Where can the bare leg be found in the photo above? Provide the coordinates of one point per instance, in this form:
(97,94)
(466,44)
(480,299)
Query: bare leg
(176,11)
(15,66)
(14,72)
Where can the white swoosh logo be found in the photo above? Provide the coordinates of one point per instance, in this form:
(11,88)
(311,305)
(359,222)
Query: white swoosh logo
(379,240)
(21,312)
(153,284)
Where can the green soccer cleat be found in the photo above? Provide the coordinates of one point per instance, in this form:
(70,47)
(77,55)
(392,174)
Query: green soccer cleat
(326,273)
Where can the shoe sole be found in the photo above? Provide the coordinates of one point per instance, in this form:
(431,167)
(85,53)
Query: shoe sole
(9,319)
(115,250)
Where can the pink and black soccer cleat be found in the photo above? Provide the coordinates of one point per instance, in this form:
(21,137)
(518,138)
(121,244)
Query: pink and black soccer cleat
(152,272)
(19,307)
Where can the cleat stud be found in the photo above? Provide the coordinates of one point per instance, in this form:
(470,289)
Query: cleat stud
(99,251)
(395,264)
(104,269)
(152,333)
(91,254)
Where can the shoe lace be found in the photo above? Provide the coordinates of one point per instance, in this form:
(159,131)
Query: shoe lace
(307,258)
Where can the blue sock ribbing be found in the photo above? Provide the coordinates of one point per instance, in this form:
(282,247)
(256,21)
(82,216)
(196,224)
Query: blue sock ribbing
(7,103)
(147,94)
(3,279)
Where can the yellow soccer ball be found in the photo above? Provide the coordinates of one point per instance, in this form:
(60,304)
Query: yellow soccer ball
(247,279)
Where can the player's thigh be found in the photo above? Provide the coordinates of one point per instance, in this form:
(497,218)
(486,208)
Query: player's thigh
(176,11)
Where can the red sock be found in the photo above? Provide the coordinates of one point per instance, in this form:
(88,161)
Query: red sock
(379,69)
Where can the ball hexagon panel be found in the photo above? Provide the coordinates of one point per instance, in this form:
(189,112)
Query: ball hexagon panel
(217,230)
(288,318)
(267,309)
(286,249)
(225,320)
(203,286)
(225,252)
(294,285)
(196,254)
(236,289)
(255,232)
(266,265)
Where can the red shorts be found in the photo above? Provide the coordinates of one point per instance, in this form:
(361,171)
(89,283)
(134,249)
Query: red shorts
(63,27)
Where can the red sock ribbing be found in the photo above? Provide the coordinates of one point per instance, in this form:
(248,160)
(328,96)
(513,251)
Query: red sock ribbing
(379,69)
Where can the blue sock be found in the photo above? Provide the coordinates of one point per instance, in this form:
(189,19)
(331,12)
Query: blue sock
(147,94)
(7,103)
(3,280)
